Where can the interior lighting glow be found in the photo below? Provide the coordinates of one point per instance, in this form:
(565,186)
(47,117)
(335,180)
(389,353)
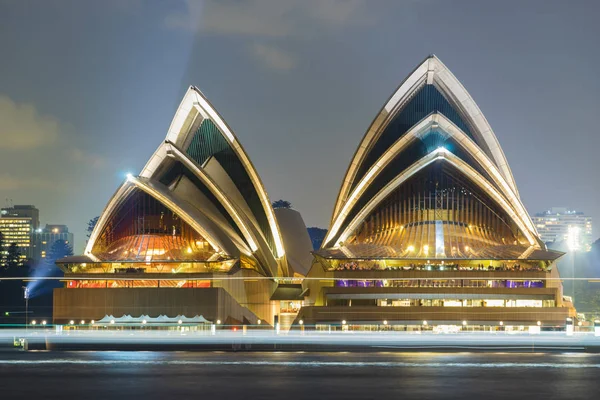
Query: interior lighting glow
(573,238)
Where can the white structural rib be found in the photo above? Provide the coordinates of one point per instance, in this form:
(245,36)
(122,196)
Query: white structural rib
(441,123)
(431,71)
(178,154)
(466,169)
(193,109)
(116,199)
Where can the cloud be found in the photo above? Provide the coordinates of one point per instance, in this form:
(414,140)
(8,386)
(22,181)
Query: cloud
(253,17)
(340,12)
(9,182)
(273,58)
(265,18)
(22,127)
(39,153)
(273,20)
(24,130)
(93,160)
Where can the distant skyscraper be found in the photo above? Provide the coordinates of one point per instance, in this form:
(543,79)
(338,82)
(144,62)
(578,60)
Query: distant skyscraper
(17,224)
(46,237)
(560,224)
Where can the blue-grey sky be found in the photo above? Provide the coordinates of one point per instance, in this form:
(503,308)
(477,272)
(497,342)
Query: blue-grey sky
(88,89)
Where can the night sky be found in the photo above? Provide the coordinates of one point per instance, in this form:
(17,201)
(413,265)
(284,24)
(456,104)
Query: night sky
(88,90)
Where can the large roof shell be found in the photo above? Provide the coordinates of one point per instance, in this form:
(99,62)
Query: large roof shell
(464,122)
(259,240)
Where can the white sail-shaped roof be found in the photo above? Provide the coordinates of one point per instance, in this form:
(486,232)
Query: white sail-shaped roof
(429,118)
(201,172)
(431,72)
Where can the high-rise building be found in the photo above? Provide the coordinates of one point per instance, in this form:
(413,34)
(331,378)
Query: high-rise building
(560,224)
(428,228)
(44,238)
(17,224)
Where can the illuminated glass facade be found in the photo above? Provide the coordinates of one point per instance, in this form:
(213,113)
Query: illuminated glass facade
(17,225)
(18,231)
(438,214)
(560,226)
(143,230)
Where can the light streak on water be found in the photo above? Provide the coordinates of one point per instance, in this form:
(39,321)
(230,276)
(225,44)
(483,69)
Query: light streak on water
(311,364)
(373,341)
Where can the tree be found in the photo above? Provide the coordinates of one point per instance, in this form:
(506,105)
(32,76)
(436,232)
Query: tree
(58,250)
(13,256)
(282,204)
(317,235)
(91,225)
(2,251)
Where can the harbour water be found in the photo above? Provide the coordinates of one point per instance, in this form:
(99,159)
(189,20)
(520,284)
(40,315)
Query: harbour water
(290,376)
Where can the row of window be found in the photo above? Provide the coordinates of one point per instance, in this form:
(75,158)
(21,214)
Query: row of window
(442,303)
(464,303)
(440,283)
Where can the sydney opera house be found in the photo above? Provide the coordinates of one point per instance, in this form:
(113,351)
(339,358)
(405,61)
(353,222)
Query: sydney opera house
(428,229)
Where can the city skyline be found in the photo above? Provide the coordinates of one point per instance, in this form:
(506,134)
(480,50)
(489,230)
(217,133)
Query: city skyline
(94,81)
